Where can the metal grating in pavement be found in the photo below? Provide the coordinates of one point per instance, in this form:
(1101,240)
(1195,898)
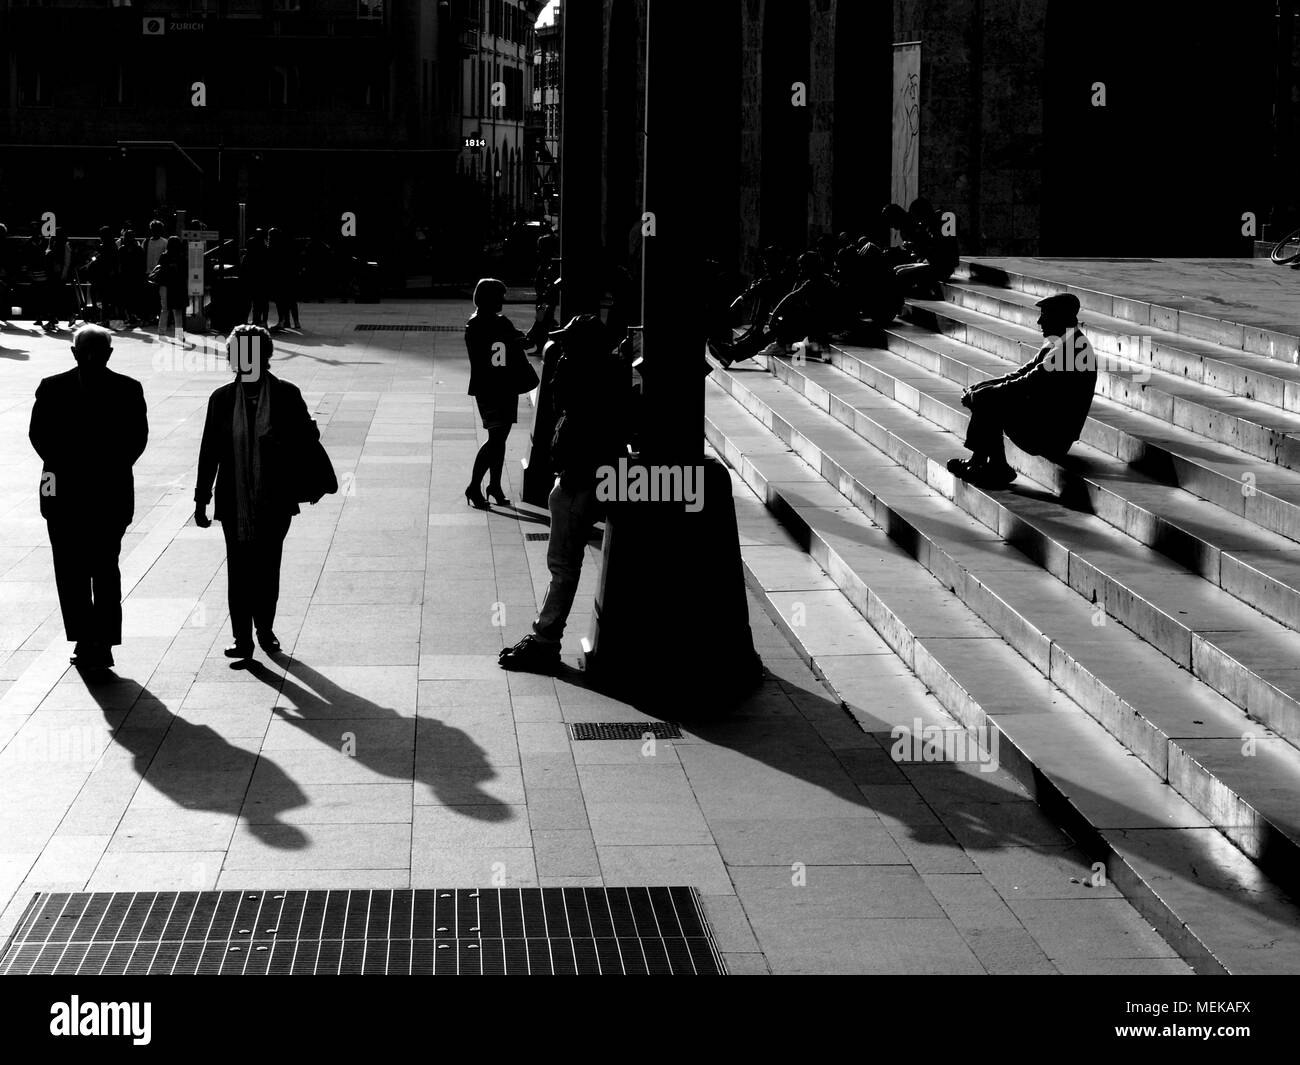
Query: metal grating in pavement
(465,931)
(624,730)
(373,327)
(537,536)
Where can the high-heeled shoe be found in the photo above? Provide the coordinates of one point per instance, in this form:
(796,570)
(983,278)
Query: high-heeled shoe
(474,497)
(497,496)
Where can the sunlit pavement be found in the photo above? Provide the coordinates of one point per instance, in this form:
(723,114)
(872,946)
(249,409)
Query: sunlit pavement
(387,749)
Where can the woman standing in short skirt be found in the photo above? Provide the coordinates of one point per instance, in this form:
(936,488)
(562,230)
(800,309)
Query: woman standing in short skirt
(490,337)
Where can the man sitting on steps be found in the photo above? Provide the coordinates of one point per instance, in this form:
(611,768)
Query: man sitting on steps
(1042,406)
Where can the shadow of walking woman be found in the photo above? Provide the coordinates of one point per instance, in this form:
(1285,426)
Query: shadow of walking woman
(427,751)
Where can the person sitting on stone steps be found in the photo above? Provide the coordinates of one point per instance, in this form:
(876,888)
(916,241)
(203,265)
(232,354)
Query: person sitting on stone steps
(1042,406)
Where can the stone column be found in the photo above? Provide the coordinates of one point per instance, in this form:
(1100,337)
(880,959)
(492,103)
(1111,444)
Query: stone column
(581,159)
(671,580)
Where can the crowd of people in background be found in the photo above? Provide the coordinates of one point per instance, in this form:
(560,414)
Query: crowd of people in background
(269,271)
(835,288)
(141,282)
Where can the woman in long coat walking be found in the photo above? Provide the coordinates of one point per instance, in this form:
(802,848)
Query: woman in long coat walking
(252,426)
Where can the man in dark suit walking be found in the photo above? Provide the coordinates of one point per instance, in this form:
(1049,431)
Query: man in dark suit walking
(89,425)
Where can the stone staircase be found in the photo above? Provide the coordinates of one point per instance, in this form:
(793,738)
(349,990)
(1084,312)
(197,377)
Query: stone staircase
(1128,621)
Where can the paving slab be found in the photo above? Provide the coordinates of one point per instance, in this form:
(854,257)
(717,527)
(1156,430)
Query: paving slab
(390,751)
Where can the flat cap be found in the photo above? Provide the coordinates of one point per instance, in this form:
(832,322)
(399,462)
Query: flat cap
(1062,303)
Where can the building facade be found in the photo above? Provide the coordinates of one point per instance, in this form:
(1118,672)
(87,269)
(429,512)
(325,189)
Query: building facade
(1041,127)
(547,100)
(313,114)
(498,120)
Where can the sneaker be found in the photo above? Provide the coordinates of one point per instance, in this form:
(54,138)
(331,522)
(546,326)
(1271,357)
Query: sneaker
(812,349)
(982,474)
(963,469)
(775,348)
(531,655)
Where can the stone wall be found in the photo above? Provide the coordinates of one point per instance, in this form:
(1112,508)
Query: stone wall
(1008,139)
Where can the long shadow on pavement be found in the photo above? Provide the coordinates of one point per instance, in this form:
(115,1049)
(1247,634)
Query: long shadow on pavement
(807,736)
(196,749)
(455,772)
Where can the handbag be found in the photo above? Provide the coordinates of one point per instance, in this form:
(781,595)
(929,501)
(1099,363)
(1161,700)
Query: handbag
(522,375)
(314,471)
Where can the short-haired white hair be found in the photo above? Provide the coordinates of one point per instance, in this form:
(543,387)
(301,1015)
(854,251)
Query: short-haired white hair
(92,340)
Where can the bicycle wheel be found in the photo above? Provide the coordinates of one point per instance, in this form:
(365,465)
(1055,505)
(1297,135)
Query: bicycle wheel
(1286,250)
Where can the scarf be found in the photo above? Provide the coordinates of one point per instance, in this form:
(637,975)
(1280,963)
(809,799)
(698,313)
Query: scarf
(249,479)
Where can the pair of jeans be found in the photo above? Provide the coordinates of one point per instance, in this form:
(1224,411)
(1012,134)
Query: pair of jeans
(88,580)
(253,576)
(574,511)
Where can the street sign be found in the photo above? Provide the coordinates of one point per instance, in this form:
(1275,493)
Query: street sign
(199,234)
(195,278)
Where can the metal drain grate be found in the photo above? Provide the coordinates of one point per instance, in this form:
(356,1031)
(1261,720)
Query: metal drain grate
(624,730)
(388,328)
(466,931)
(537,536)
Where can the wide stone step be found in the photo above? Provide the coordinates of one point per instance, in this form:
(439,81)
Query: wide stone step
(1264,494)
(1185,732)
(1258,340)
(1236,372)
(1258,567)
(1245,656)
(1202,894)
(1261,431)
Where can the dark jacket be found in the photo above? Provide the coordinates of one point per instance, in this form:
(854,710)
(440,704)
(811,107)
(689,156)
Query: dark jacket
(255,267)
(130,261)
(289,422)
(489,380)
(88,441)
(173,274)
(282,265)
(1045,403)
(590,399)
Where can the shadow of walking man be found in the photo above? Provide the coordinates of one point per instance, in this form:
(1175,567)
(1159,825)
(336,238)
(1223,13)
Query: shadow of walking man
(430,752)
(194,765)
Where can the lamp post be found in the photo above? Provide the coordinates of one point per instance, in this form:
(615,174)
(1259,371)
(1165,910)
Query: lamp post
(124,145)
